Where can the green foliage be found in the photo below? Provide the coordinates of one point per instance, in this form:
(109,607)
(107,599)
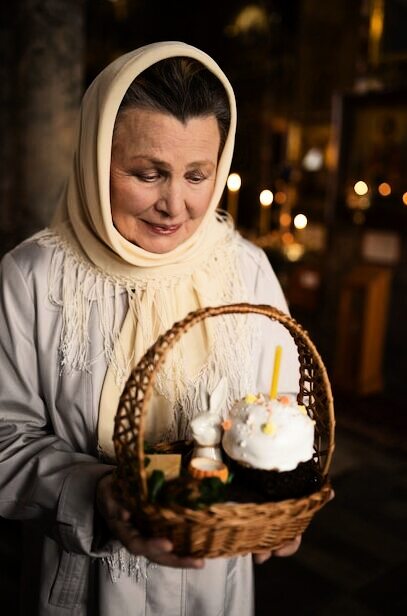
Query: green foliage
(155,484)
(212,490)
(192,493)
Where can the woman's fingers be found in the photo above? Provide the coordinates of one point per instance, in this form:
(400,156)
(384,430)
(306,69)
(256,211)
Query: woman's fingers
(160,551)
(118,520)
(261,557)
(288,549)
(156,550)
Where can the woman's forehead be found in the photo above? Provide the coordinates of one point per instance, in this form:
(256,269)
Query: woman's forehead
(140,130)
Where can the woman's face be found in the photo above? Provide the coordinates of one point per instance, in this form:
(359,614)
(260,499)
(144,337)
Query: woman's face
(162,177)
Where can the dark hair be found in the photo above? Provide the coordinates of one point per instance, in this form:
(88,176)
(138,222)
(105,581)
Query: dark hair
(182,87)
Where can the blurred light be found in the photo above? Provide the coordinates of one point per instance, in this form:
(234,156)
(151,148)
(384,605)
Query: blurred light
(280,197)
(384,189)
(331,155)
(313,160)
(294,251)
(300,221)
(376,30)
(363,202)
(251,18)
(285,219)
(294,140)
(357,202)
(234,182)
(404,197)
(287,238)
(266,198)
(361,188)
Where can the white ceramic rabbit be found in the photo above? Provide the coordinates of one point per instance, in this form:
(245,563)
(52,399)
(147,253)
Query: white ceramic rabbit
(206,427)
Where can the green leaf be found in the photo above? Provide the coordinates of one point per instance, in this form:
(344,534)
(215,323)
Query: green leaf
(212,491)
(155,483)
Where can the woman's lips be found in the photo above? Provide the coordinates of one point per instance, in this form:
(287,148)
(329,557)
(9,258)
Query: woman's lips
(162,229)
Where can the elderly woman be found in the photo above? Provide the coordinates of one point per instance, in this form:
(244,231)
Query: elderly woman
(136,243)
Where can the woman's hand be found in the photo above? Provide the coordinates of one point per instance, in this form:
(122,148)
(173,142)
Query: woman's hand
(117,519)
(288,549)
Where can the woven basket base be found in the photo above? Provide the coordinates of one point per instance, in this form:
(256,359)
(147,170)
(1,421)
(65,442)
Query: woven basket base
(231,529)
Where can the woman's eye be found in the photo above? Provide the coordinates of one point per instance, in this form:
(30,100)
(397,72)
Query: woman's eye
(147,177)
(195,178)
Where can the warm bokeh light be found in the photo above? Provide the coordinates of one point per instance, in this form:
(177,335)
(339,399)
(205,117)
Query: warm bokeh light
(357,202)
(234,182)
(404,197)
(384,189)
(266,198)
(313,160)
(251,18)
(300,221)
(331,155)
(285,219)
(361,188)
(294,251)
(280,197)
(287,238)
(376,30)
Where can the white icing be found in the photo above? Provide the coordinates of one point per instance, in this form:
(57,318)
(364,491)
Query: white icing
(290,439)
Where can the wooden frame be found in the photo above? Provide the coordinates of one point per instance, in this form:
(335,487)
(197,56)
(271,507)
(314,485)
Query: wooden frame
(387,31)
(371,143)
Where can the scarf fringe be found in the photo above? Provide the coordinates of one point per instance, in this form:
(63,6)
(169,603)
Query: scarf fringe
(77,287)
(232,361)
(123,563)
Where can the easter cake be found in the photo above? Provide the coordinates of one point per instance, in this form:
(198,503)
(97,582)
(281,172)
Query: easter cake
(270,446)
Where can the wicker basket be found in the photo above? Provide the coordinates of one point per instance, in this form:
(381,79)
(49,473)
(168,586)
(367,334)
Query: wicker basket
(223,529)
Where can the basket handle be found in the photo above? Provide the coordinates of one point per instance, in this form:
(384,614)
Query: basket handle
(129,421)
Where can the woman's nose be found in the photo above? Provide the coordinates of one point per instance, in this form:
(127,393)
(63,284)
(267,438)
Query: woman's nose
(171,201)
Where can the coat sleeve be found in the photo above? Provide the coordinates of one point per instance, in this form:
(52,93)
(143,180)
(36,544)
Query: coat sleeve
(267,290)
(41,476)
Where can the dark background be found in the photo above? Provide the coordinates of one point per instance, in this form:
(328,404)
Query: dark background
(304,73)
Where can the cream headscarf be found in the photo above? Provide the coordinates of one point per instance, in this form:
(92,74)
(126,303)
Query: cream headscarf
(99,264)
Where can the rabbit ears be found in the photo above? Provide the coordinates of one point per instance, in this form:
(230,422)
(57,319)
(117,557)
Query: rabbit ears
(215,401)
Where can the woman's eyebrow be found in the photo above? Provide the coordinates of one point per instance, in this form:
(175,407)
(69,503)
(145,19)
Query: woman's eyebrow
(201,163)
(162,163)
(155,161)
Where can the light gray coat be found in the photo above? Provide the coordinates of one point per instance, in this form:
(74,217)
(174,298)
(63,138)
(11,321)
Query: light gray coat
(49,464)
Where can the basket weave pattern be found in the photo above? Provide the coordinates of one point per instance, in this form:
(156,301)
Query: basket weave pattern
(222,529)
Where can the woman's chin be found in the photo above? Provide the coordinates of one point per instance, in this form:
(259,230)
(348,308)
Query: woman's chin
(159,245)
(152,240)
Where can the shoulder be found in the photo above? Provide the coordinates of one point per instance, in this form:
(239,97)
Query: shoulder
(25,269)
(251,253)
(259,277)
(254,261)
(30,257)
